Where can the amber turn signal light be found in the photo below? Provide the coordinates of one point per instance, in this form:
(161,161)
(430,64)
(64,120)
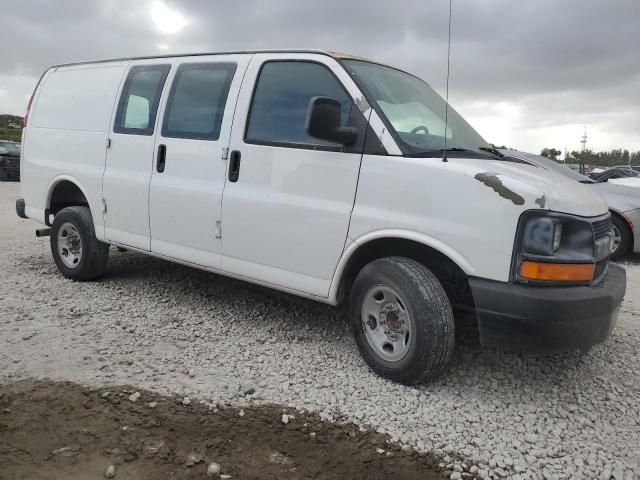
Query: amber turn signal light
(557,272)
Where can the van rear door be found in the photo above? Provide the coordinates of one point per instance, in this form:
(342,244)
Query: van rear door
(185,198)
(127,174)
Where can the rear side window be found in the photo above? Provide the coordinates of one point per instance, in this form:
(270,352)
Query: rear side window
(197,100)
(281,99)
(139,100)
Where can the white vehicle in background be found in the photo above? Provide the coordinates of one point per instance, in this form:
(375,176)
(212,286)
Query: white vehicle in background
(624,202)
(633,182)
(325,176)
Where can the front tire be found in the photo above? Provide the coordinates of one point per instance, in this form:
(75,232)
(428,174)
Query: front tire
(402,320)
(621,238)
(78,254)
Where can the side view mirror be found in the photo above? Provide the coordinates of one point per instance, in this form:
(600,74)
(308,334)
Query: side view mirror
(323,122)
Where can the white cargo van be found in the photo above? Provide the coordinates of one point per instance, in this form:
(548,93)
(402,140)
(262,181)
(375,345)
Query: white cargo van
(326,176)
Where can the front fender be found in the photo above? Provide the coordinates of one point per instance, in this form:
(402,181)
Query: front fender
(392,233)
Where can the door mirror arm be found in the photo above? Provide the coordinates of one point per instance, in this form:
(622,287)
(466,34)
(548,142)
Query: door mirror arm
(323,122)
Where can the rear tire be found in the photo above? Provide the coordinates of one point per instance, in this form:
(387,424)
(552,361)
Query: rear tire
(623,237)
(402,320)
(76,251)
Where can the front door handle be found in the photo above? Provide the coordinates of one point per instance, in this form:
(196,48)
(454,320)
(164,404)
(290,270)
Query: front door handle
(161,158)
(234,166)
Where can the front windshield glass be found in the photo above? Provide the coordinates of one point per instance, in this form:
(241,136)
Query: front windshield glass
(415,112)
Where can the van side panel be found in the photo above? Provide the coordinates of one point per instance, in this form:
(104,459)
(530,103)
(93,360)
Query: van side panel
(65,138)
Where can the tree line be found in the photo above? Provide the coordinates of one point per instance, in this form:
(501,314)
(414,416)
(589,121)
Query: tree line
(10,127)
(10,121)
(606,158)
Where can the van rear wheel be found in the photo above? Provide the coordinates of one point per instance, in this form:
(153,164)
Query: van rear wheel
(76,251)
(402,320)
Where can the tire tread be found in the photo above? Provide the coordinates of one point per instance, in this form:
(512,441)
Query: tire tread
(95,254)
(432,360)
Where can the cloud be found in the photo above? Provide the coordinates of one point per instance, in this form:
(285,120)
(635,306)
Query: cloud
(527,74)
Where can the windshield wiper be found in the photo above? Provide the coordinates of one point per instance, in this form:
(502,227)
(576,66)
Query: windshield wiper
(492,150)
(442,150)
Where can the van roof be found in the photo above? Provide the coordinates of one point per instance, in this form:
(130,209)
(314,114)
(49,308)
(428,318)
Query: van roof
(337,55)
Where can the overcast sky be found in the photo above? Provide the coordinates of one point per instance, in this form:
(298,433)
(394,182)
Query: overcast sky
(526,74)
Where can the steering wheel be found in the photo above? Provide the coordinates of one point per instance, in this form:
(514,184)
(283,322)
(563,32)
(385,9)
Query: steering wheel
(421,128)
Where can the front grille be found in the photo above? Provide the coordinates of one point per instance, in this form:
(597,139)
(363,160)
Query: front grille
(601,228)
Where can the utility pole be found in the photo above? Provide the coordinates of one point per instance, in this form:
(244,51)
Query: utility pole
(583,140)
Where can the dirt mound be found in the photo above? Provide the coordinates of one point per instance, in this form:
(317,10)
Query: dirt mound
(59,430)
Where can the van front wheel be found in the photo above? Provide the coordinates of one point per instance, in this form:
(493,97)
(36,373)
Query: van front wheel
(402,320)
(76,251)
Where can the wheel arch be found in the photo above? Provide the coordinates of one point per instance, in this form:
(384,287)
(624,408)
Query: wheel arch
(65,191)
(451,268)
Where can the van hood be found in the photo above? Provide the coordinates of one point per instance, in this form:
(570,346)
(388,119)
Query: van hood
(554,191)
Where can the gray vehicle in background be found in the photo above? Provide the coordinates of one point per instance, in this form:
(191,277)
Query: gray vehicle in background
(623,201)
(9,161)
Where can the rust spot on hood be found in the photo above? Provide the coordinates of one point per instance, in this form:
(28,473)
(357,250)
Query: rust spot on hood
(542,201)
(492,181)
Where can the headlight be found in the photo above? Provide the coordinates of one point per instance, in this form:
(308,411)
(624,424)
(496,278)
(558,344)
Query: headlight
(553,247)
(557,236)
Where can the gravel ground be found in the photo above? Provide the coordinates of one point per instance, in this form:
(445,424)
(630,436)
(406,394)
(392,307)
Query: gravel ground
(175,330)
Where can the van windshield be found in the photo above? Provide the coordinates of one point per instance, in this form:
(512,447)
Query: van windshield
(416,113)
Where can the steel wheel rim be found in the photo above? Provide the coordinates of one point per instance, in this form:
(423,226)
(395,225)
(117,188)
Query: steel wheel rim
(69,245)
(386,323)
(617,239)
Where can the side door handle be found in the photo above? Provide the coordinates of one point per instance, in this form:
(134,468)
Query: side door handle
(161,158)
(234,166)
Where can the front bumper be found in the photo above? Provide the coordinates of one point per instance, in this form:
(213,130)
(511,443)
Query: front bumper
(539,319)
(20,207)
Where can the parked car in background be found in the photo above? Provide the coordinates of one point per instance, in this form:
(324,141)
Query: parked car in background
(623,201)
(627,182)
(620,175)
(633,167)
(614,173)
(9,161)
